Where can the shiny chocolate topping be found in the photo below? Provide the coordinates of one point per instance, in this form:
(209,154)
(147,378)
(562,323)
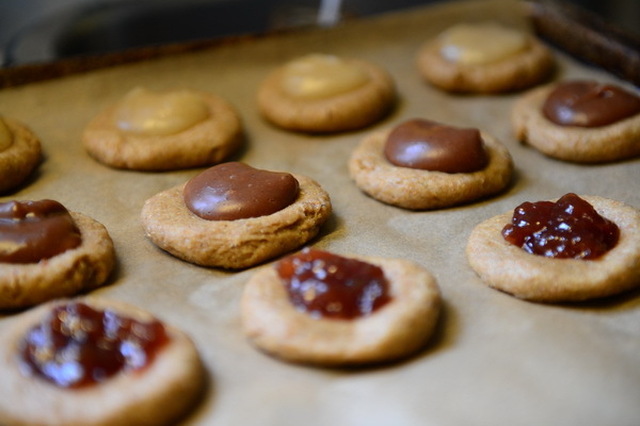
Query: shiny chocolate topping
(568,228)
(589,104)
(77,346)
(427,145)
(326,285)
(31,231)
(233,190)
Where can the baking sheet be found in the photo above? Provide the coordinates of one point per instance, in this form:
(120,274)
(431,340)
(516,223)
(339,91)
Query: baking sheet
(493,360)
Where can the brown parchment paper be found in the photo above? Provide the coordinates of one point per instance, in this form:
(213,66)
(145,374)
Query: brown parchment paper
(494,360)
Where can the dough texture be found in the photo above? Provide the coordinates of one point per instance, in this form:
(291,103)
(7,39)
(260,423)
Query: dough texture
(21,158)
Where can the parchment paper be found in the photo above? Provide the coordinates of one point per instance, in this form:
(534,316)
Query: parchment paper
(494,360)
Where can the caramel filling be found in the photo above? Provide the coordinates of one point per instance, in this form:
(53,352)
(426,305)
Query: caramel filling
(319,76)
(147,113)
(479,44)
(5,136)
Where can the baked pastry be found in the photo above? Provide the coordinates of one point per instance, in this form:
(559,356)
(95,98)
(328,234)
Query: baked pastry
(581,121)
(48,252)
(319,308)
(93,362)
(169,130)
(573,249)
(421,164)
(20,153)
(324,93)
(234,216)
(484,57)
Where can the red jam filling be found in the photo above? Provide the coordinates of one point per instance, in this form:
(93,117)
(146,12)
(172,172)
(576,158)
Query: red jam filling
(589,104)
(77,346)
(427,145)
(568,228)
(329,286)
(233,190)
(31,231)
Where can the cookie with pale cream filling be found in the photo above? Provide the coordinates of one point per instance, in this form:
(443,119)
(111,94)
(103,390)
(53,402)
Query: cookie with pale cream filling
(323,93)
(484,57)
(155,131)
(20,153)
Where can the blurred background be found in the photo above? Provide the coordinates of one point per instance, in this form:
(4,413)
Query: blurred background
(33,31)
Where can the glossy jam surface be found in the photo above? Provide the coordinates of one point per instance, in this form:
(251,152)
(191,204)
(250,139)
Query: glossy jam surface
(147,113)
(427,145)
(329,286)
(589,104)
(31,231)
(233,190)
(6,139)
(568,228)
(319,76)
(78,346)
(481,43)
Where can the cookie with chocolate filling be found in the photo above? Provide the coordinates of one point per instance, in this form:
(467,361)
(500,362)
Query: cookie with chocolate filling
(421,164)
(20,153)
(170,130)
(323,93)
(582,121)
(572,249)
(91,361)
(484,57)
(48,252)
(235,216)
(316,307)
